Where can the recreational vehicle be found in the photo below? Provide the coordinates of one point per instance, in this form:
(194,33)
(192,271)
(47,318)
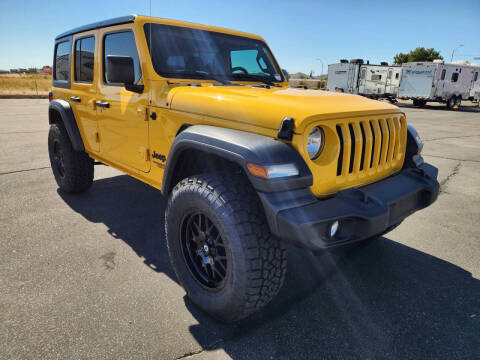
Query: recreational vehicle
(475,89)
(374,81)
(436,81)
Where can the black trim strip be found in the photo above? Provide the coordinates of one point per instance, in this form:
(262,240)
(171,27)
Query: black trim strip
(100,24)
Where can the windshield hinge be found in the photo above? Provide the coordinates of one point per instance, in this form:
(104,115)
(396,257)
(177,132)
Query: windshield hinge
(286,129)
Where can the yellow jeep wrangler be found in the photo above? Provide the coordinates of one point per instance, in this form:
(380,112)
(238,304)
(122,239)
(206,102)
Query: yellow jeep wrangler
(205,115)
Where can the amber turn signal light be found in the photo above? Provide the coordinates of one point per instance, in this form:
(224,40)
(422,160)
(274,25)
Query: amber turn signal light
(272,171)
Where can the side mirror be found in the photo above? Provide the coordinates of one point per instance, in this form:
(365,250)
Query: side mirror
(285,72)
(120,70)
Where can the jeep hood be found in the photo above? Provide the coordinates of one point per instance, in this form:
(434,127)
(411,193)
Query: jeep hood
(266,108)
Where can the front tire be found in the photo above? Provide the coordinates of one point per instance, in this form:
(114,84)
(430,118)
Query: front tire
(220,246)
(73,170)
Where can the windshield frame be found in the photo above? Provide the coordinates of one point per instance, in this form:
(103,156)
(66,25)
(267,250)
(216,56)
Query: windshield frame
(214,77)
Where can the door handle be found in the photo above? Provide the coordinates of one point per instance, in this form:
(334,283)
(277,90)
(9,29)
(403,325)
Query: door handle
(103,104)
(75,98)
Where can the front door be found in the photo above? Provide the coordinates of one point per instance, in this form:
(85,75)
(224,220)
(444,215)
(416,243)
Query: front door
(442,78)
(122,113)
(389,88)
(363,80)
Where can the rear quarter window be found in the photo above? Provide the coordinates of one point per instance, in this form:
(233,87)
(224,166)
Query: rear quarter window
(61,71)
(84,59)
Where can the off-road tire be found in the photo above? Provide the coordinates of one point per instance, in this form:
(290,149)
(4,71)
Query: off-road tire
(77,174)
(257,261)
(451,102)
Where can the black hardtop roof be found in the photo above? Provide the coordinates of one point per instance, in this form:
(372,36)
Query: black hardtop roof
(97,25)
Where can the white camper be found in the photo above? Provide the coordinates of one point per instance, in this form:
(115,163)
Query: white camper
(343,77)
(475,89)
(355,77)
(436,81)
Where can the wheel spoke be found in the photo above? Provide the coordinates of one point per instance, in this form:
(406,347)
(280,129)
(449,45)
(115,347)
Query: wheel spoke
(203,249)
(209,228)
(221,265)
(218,271)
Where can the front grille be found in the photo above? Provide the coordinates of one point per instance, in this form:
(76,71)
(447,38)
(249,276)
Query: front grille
(370,146)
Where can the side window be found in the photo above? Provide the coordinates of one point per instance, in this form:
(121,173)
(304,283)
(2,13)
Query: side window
(390,72)
(475,77)
(397,75)
(443,74)
(454,77)
(376,77)
(84,59)
(122,44)
(62,61)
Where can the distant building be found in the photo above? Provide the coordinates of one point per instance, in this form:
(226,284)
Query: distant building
(47,69)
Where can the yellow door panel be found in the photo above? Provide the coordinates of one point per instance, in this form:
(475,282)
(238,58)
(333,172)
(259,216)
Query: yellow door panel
(122,113)
(83,87)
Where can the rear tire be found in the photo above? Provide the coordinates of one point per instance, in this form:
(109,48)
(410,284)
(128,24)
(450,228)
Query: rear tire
(458,101)
(231,235)
(73,170)
(451,102)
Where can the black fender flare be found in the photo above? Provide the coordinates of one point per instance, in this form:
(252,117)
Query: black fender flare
(241,148)
(68,119)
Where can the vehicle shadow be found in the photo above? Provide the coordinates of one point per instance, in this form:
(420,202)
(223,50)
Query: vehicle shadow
(378,300)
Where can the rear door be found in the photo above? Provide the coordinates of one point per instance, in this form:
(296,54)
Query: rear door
(122,113)
(84,88)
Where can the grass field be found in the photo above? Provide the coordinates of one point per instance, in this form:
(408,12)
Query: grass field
(25,84)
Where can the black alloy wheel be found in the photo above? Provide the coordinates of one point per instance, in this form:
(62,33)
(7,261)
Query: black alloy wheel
(203,250)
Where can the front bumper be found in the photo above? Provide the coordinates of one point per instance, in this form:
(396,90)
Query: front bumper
(297,216)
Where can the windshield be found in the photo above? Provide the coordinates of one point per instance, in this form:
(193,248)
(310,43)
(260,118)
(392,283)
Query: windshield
(179,52)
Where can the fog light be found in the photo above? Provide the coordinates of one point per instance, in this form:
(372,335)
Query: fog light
(334,228)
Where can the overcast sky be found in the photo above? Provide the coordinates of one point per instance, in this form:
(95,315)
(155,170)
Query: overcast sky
(298,32)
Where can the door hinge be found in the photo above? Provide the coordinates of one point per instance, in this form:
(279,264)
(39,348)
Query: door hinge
(147,154)
(97,137)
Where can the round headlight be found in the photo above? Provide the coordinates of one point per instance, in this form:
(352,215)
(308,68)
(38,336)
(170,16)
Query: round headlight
(315,142)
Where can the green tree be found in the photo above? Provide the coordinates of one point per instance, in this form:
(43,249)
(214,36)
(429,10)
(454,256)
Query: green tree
(419,54)
(400,58)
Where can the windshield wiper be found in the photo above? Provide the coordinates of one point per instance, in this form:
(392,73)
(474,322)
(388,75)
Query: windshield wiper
(254,78)
(208,76)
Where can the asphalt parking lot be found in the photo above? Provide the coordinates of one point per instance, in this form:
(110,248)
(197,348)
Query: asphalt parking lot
(88,276)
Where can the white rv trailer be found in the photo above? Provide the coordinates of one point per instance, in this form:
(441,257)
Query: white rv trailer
(436,81)
(475,89)
(355,77)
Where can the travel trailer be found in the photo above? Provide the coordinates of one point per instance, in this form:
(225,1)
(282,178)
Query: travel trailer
(475,89)
(436,81)
(355,77)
